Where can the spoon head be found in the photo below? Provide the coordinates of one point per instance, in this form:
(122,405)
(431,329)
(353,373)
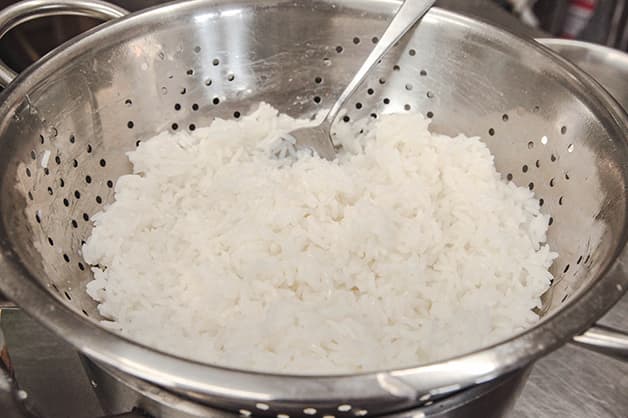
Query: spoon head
(313,138)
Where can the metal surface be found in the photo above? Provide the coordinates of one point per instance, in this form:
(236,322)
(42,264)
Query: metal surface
(608,66)
(25,11)
(33,9)
(118,392)
(12,400)
(319,137)
(606,341)
(571,382)
(47,369)
(578,383)
(87,105)
(51,373)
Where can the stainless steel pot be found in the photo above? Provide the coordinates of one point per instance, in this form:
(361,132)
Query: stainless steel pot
(608,66)
(119,393)
(95,97)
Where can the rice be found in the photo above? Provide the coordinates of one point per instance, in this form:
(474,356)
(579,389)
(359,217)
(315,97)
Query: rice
(408,248)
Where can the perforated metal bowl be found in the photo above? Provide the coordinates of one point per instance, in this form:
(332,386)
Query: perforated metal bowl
(66,123)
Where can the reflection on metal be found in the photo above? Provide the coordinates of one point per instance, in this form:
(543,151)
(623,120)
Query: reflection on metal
(608,66)
(31,9)
(605,340)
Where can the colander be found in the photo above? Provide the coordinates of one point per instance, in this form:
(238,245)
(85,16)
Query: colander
(67,122)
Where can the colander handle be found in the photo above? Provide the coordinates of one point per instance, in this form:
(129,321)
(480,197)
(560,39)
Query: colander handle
(32,9)
(604,340)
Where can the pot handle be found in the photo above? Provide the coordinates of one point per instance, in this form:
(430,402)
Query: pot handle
(27,10)
(604,340)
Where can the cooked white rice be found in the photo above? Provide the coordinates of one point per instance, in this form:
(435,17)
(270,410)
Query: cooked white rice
(407,248)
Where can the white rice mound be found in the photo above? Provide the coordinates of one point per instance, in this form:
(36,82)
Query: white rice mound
(408,248)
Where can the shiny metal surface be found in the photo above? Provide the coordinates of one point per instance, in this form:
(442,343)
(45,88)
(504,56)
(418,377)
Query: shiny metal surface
(319,137)
(118,393)
(608,66)
(10,397)
(87,104)
(605,340)
(570,382)
(33,9)
(24,11)
(577,383)
(573,382)
(47,369)
(51,373)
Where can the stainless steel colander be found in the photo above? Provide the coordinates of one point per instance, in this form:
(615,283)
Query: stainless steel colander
(66,123)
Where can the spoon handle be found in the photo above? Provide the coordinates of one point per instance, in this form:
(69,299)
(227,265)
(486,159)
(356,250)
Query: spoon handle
(406,17)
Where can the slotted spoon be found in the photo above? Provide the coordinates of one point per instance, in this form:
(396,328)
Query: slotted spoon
(318,137)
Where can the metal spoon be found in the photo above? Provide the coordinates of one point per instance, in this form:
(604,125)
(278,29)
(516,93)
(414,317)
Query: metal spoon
(318,137)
